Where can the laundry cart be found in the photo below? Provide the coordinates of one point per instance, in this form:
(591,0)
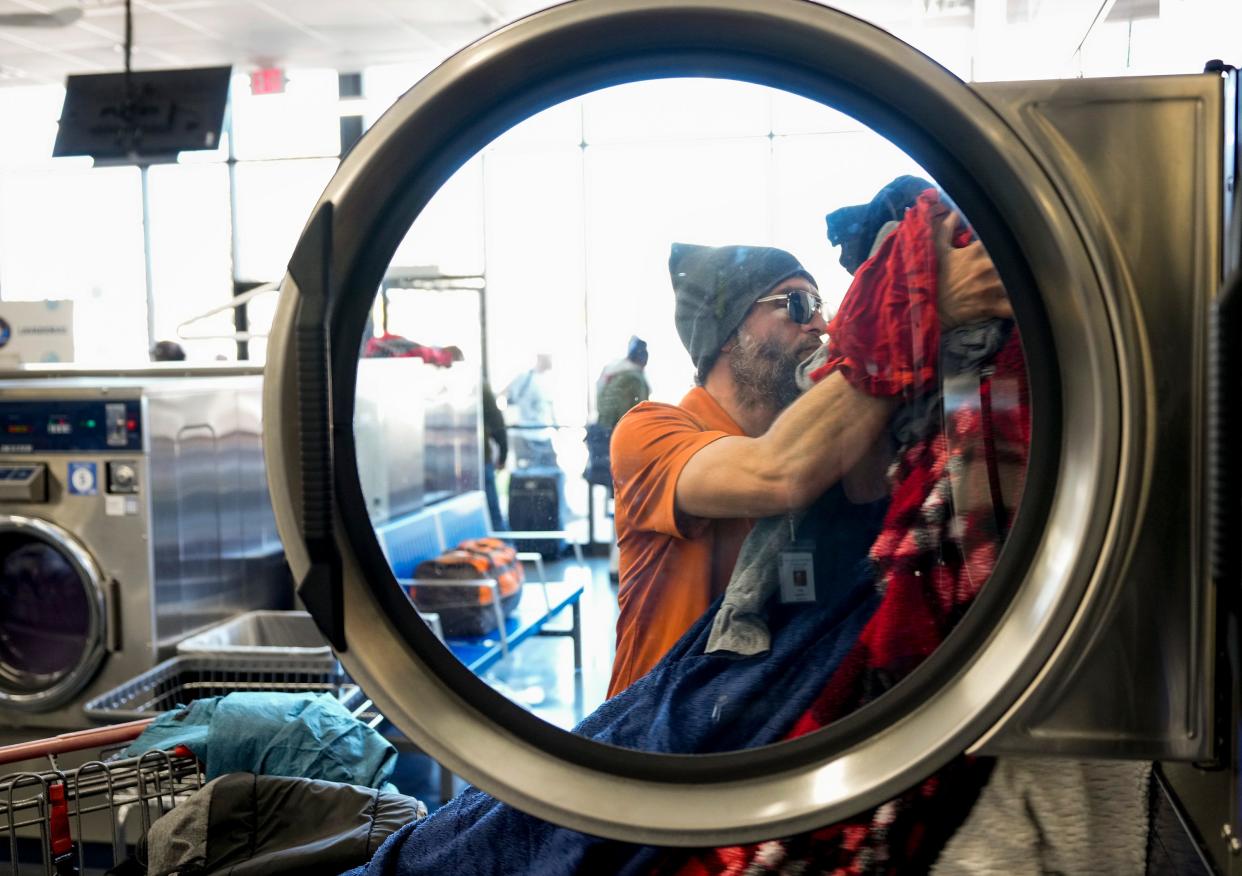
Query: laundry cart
(48,812)
(44,811)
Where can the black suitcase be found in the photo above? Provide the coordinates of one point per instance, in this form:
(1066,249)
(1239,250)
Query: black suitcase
(535,504)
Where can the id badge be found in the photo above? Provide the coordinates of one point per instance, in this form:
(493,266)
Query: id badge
(797,573)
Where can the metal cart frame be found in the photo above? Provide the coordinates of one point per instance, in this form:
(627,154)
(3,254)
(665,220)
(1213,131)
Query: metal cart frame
(47,806)
(53,802)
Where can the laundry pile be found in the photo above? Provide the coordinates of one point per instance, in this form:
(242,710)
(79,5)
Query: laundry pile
(929,578)
(296,785)
(937,545)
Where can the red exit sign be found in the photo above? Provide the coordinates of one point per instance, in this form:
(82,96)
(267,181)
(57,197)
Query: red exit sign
(269,80)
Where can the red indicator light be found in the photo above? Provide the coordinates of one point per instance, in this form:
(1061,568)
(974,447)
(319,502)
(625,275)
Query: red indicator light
(131,425)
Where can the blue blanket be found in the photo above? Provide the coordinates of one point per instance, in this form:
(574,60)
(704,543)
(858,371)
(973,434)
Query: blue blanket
(691,702)
(275,734)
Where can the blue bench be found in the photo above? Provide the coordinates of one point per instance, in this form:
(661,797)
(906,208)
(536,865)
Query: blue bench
(480,653)
(429,532)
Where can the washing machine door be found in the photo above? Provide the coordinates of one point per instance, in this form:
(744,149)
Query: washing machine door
(1086,478)
(52,637)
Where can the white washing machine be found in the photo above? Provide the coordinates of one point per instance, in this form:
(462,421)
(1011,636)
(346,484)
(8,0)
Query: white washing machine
(1109,207)
(133,511)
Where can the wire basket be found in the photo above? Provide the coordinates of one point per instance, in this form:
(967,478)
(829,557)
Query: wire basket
(264,634)
(177,681)
(43,812)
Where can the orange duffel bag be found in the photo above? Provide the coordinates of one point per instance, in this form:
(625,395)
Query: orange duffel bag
(504,567)
(466,609)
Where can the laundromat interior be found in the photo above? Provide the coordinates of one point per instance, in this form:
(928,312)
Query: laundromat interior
(620,436)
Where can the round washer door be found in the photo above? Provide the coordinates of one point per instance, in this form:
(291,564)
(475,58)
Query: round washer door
(1059,561)
(51,615)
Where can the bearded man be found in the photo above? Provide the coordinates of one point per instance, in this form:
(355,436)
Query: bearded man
(743,444)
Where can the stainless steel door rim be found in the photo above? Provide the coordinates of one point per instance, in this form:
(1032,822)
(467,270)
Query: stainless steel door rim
(1067,548)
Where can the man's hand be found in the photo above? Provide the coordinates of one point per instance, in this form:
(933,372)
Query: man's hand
(970,290)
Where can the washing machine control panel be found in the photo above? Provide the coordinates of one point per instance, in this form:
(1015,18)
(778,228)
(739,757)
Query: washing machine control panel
(70,425)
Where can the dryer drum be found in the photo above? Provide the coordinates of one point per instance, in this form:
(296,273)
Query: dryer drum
(1065,569)
(51,615)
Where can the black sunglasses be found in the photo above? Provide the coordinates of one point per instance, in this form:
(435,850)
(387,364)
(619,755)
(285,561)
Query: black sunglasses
(803,305)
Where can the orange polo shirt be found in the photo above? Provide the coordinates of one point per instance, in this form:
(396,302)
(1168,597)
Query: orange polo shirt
(672,565)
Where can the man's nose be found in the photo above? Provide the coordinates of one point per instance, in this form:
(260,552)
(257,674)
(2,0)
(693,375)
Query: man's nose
(818,324)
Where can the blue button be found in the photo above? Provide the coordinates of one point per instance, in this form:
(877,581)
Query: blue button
(83,479)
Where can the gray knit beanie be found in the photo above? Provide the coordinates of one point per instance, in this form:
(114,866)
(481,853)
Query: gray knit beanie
(715,287)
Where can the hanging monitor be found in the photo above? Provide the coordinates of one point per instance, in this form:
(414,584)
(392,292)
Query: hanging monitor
(147,117)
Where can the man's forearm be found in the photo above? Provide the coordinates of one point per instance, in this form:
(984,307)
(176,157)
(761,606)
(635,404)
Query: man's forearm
(821,436)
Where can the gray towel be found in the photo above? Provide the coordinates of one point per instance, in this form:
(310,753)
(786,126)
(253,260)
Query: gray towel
(739,626)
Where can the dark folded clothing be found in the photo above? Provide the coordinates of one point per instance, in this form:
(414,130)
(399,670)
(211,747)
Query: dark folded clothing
(854,229)
(248,825)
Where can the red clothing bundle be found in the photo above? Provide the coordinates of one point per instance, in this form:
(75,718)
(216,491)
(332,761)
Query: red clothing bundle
(953,492)
(885,338)
(389,346)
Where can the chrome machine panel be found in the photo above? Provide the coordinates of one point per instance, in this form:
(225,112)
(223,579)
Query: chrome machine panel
(417,427)
(1143,161)
(171,520)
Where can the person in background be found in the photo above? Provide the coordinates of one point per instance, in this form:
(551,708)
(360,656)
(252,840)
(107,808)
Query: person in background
(495,454)
(167,351)
(742,444)
(621,385)
(529,400)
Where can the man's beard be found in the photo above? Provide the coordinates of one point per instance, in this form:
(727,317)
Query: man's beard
(764,372)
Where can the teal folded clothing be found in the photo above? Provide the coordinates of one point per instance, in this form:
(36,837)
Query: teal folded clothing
(274,734)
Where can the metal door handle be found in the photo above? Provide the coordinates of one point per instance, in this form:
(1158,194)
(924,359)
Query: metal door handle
(1223,429)
(112,630)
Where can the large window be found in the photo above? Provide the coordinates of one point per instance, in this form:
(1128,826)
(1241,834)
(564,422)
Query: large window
(274,200)
(300,122)
(561,188)
(70,231)
(75,233)
(190,254)
(570,216)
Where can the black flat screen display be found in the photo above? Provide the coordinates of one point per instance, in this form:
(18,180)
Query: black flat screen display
(150,116)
